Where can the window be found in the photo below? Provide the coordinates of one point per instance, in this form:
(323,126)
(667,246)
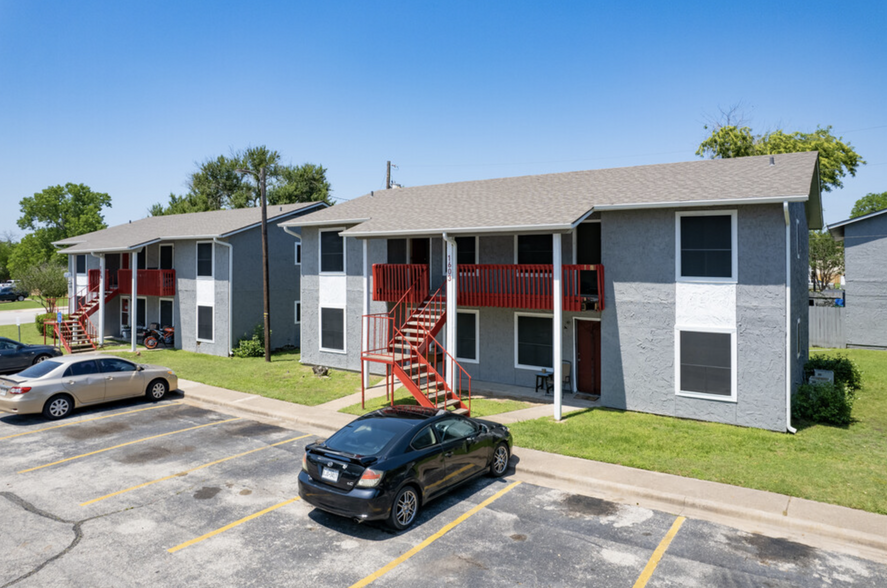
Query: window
(534,347)
(397,250)
(332,329)
(454,428)
(141,318)
(706,362)
(112,364)
(140,260)
(299,253)
(166,257)
(205,323)
(124,311)
(298,312)
(467,335)
(425,438)
(706,246)
(204,260)
(167,318)
(81,264)
(332,251)
(534,249)
(82,368)
(466,252)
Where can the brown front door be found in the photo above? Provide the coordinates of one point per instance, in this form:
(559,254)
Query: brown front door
(588,357)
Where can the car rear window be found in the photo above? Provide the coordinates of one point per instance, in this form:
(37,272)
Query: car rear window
(38,370)
(367,436)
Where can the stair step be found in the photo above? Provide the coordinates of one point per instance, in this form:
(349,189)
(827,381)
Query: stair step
(460,411)
(451,402)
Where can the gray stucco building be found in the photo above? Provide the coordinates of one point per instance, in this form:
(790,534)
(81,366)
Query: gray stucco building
(199,272)
(676,289)
(865,279)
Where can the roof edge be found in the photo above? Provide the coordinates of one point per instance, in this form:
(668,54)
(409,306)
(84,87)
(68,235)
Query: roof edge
(688,203)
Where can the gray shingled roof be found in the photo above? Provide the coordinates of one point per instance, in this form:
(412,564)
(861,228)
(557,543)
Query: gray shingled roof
(557,201)
(837,229)
(216,223)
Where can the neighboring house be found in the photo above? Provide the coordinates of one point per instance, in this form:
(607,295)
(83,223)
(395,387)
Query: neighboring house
(676,289)
(199,272)
(865,287)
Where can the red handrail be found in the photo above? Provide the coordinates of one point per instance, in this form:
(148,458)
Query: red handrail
(151,282)
(460,377)
(528,286)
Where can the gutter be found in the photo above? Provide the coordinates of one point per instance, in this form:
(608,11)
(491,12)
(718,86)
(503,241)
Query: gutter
(788,320)
(230,287)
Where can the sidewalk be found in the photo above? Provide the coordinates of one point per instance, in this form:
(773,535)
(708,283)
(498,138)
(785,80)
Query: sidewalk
(824,526)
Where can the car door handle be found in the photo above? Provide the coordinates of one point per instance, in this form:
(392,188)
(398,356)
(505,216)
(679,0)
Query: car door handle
(448,454)
(108,378)
(71,382)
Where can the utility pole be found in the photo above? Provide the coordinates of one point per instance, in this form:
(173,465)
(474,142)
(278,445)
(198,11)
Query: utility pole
(388,177)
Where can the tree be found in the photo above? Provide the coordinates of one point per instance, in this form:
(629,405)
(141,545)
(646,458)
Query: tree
(303,183)
(56,213)
(869,203)
(46,282)
(826,259)
(836,158)
(7,246)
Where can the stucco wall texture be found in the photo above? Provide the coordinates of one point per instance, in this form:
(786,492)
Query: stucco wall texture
(865,252)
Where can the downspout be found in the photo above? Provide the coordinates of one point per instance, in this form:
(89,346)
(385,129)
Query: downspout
(230,287)
(788,320)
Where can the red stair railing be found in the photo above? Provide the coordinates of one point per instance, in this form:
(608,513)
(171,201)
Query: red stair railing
(528,286)
(391,281)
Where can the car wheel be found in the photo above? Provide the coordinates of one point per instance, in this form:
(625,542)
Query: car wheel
(404,509)
(500,461)
(157,390)
(57,407)
(40,358)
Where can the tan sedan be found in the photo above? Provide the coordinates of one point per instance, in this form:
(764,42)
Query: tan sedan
(56,386)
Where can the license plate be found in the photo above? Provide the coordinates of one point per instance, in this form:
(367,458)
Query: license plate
(3,391)
(330,474)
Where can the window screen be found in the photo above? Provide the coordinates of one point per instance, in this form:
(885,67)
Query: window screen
(332,328)
(534,341)
(205,259)
(466,335)
(397,250)
(205,322)
(706,246)
(166,314)
(81,264)
(332,252)
(534,249)
(706,363)
(466,250)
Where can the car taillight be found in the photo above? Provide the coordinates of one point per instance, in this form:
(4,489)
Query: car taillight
(19,389)
(305,463)
(370,478)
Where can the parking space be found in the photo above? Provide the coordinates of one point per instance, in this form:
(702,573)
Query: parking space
(174,495)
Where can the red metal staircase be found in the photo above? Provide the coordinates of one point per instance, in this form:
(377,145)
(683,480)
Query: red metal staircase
(78,333)
(404,341)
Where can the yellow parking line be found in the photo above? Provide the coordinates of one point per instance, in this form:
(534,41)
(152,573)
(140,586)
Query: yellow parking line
(90,420)
(447,528)
(186,472)
(230,526)
(125,444)
(660,551)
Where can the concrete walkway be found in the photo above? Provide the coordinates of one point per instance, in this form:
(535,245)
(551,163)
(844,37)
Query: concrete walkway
(820,525)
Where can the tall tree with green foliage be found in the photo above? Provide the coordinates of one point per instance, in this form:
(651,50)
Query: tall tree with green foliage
(46,283)
(7,246)
(56,213)
(871,202)
(836,158)
(826,259)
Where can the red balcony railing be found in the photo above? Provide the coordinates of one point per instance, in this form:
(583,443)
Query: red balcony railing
(151,282)
(392,280)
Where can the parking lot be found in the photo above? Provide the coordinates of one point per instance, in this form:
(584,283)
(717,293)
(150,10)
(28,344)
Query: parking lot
(170,494)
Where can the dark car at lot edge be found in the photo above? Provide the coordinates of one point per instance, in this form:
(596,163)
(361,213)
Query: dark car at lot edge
(387,464)
(15,356)
(10,293)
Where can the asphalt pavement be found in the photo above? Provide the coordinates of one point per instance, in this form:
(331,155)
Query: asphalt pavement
(25,316)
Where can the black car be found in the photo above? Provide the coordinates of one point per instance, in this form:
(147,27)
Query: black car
(9,293)
(15,356)
(389,463)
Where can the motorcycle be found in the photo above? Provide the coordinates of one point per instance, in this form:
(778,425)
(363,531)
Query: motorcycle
(155,336)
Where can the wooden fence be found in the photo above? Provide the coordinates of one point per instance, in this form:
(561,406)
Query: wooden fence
(827,327)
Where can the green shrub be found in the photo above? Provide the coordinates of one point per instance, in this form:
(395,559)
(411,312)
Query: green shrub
(49,316)
(824,403)
(253,346)
(847,373)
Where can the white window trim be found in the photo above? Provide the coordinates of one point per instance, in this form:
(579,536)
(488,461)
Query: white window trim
(133,310)
(297,253)
(160,254)
(297,314)
(320,346)
(574,367)
(476,253)
(129,300)
(734,246)
(530,235)
(733,362)
(320,254)
(197,323)
(212,248)
(476,314)
(162,300)
(520,366)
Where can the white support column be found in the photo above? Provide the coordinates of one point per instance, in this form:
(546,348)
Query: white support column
(366,310)
(452,276)
(556,323)
(134,298)
(102,299)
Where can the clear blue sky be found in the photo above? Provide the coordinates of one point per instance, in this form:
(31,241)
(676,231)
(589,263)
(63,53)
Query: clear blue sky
(127,97)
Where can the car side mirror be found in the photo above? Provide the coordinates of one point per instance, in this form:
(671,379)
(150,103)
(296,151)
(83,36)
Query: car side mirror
(19,347)
(140,368)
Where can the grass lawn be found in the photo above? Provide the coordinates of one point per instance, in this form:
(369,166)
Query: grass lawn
(480,407)
(62,303)
(29,334)
(284,378)
(839,465)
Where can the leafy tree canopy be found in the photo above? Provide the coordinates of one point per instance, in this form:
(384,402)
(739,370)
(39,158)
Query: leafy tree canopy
(46,282)
(836,158)
(7,246)
(869,203)
(826,259)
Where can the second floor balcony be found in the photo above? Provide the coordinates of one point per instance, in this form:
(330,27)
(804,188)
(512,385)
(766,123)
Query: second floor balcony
(150,282)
